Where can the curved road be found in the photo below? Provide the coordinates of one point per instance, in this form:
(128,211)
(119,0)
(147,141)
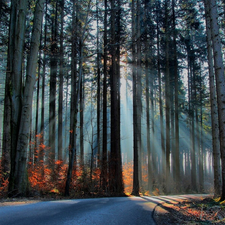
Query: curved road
(99,211)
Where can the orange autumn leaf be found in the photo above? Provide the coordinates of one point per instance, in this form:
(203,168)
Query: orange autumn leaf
(42,146)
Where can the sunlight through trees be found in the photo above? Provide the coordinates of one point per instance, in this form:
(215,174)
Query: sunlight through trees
(107,98)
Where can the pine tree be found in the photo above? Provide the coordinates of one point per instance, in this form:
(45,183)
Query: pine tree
(220,81)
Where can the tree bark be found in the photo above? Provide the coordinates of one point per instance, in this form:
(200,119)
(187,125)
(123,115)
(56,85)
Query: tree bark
(98,89)
(114,116)
(53,75)
(115,169)
(193,126)
(176,78)
(23,135)
(16,87)
(61,73)
(72,143)
(147,100)
(41,152)
(213,27)
(167,93)
(37,140)
(160,99)
(82,124)
(139,88)
(136,187)
(6,147)
(119,161)
(104,138)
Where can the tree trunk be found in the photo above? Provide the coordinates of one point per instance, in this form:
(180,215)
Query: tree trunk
(114,116)
(119,161)
(214,109)
(152,133)
(160,101)
(72,143)
(152,119)
(66,154)
(115,169)
(41,152)
(167,93)
(201,156)
(61,73)
(53,75)
(104,140)
(139,88)
(193,126)
(220,83)
(176,78)
(36,148)
(23,137)
(98,89)
(82,124)
(6,148)
(92,137)
(16,81)
(136,187)
(147,100)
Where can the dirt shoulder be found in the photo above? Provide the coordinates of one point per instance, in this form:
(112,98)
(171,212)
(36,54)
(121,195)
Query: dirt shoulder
(16,202)
(193,211)
(29,200)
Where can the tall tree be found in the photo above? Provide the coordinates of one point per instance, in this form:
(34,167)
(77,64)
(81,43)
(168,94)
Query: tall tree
(7,154)
(160,93)
(72,141)
(193,122)
(139,89)
(167,94)
(61,73)
(82,123)
(177,152)
(147,96)
(41,152)
(37,107)
(118,41)
(53,75)
(220,82)
(115,167)
(16,82)
(214,110)
(136,187)
(98,85)
(104,122)
(114,115)
(24,130)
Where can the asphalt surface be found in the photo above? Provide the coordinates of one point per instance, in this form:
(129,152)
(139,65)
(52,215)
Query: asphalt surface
(99,211)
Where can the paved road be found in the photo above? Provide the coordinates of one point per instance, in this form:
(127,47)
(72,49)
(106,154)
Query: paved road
(100,211)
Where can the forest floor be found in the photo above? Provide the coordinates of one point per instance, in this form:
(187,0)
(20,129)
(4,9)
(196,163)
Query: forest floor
(192,211)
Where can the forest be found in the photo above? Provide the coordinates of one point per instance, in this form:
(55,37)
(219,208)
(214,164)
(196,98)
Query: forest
(112,97)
